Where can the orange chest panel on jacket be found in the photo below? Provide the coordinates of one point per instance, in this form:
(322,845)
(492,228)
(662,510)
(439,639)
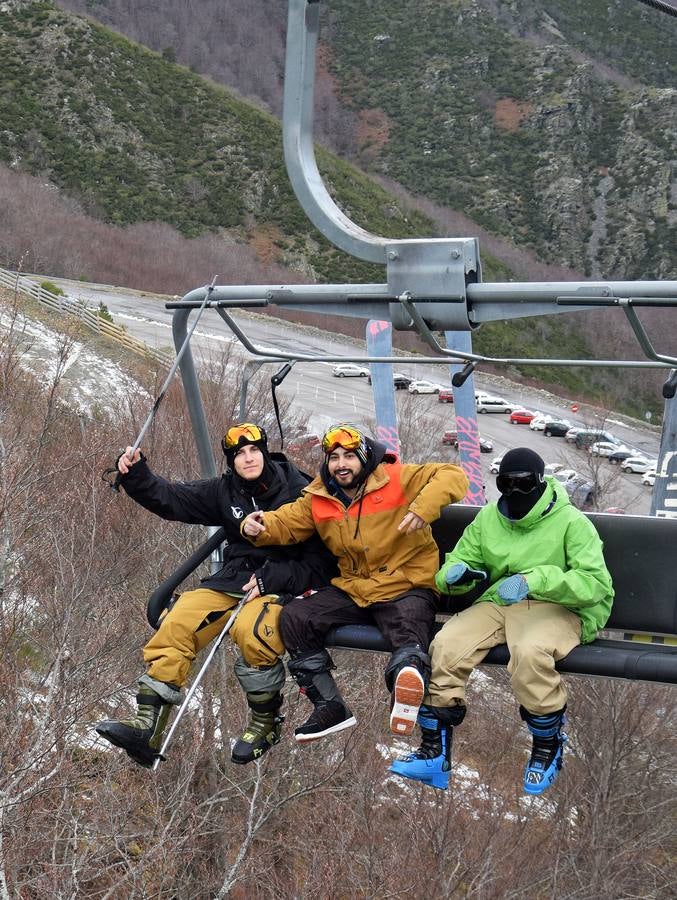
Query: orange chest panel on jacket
(386,498)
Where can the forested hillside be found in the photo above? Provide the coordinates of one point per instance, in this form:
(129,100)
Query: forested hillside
(551,122)
(172,179)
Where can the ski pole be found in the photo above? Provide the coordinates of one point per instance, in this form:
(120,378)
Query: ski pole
(172,371)
(198,678)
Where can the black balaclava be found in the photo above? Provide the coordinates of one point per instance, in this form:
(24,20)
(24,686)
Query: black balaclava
(521,459)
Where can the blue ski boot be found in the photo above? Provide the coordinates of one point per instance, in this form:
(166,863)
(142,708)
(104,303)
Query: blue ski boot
(431,763)
(546,753)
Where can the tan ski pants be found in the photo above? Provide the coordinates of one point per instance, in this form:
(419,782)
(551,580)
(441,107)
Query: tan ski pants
(197,617)
(537,634)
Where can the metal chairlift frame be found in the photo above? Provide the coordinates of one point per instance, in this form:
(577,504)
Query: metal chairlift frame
(433,284)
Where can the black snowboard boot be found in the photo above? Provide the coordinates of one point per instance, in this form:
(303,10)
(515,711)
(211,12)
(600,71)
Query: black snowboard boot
(330,714)
(141,736)
(263,730)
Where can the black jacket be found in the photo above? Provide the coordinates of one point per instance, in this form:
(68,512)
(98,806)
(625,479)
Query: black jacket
(225,501)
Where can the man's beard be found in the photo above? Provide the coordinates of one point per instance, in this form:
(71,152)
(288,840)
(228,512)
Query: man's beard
(348,484)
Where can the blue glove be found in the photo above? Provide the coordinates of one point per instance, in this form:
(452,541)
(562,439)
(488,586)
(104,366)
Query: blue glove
(513,589)
(462,574)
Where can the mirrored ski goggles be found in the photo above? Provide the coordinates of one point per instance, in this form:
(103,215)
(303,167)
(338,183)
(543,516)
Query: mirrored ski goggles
(518,482)
(244,433)
(342,436)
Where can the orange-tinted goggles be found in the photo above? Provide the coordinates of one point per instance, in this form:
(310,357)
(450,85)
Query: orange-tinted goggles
(246,430)
(341,436)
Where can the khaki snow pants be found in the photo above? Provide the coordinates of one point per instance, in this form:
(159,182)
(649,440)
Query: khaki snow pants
(537,634)
(198,617)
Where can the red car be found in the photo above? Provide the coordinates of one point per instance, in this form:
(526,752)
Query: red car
(446,395)
(521,416)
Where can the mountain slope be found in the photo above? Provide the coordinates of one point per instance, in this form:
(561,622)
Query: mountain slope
(552,122)
(135,138)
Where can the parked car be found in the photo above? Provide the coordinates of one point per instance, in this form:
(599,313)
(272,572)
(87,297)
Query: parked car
(540,420)
(638,464)
(451,438)
(564,475)
(350,370)
(400,381)
(489,404)
(304,442)
(557,428)
(553,468)
(649,477)
(581,490)
(422,386)
(495,465)
(619,455)
(588,436)
(446,395)
(521,416)
(605,448)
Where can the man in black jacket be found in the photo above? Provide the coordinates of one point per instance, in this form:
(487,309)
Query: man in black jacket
(257,479)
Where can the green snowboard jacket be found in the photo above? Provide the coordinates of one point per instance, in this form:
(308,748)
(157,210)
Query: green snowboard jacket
(555,547)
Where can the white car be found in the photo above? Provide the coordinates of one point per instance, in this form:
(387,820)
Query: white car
(604,448)
(565,475)
(423,387)
(638,464)
(495,465)
(493,404)
(649,478)
(553,468)
(350,370)
(540,420)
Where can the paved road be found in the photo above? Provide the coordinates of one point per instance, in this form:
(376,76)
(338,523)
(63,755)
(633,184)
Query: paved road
(327,398)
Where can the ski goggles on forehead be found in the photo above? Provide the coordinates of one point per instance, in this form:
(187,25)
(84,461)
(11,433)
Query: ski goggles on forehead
(518,482)
(342,436)
(245,433)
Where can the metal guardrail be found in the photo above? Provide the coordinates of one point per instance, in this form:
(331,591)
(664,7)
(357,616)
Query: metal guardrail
(66,305)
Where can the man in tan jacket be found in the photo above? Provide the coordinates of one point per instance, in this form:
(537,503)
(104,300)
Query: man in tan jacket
(374,514)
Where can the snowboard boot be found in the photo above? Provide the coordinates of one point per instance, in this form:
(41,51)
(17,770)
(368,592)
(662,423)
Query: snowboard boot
(407,698)
(431,763)
(141,736)
(262,685)
(406,676)
(547,750)
(263,730)
(330,714)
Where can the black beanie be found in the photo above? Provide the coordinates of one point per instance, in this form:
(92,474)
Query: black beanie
(522,459)
(244,441)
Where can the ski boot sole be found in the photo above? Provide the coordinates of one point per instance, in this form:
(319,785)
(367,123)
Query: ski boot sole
(408,696)
(439,780)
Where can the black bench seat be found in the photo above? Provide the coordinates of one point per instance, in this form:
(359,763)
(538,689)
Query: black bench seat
(638,551)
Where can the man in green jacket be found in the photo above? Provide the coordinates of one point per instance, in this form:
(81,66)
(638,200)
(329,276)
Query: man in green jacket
(547,589)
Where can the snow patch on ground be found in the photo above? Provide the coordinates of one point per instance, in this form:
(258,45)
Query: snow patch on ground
(91,384)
